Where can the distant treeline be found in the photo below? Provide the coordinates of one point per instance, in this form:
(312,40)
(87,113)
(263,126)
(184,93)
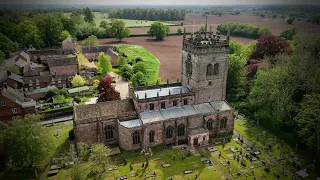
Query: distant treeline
(243,30)
(149,14)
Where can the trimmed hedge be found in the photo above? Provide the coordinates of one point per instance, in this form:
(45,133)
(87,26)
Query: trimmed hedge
(61,109)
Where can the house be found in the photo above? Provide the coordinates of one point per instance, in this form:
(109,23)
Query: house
(92,53)
(38,94)
(193,111)
(40,56)
(14,105)
(22,61)
(15,81)
(68,44)
(36,71)
(37,82)
(63,66)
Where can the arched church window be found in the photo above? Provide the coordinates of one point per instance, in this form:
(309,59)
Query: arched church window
(169,132)
(209,70)
(209,124)
(151,136)
(223,123)
(181,128)
(109,132)
(136,137)
(216,69)
(189,66)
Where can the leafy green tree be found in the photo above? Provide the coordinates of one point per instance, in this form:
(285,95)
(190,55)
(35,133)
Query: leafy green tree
(26,142)
(29,34)
(68,25)
(289,34)
(158,30)
(88,15)
(76,18)
(104,63)
(80,171)
(290,21)
(100,156)
(50,93)
(104,24)
(140,67)
(122,61)
(64,35)
(91,41)
(83,151)
(179,31)
(78,81)
(138,79)
(202,29)
(63,92)
(126,72)
(119,30)
(7,46)
(264,31)
(9,29)
(308,121)
(50,29)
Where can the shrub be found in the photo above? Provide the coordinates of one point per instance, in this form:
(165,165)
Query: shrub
(179,31)
(77,99)
(140,67)
(243,30)
(290,21)
(63,92)
(62,109)
(51,93)
(71,134)
(138,79)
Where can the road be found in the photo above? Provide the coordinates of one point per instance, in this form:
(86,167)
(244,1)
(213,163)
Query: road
(57,119)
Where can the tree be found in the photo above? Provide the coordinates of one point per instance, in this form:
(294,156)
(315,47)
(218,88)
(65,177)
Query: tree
(219,14)
(91,41)
(25,141)
(121,61)
(158,30)
(104,64)
(202,29)
(140,67)
(270,45)
(64,35)
(126,72)
(88,14)
(29,34)
(50,29)
(76,18)
(119,30)
(290,21)
(179,31)
(106,91)
(274,16)
(100,157)
(264,31)
(63,92)
(50,93)
(138,79)
(147,153)
(104,24)
(289,34)
(309,121)
(77,81)
(7,46)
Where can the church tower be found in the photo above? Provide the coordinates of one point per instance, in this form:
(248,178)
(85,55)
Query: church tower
(204,66)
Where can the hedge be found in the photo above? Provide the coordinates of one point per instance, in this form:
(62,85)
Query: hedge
(61,109)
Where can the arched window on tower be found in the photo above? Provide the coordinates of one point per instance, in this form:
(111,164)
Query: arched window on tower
(223,123)
(136,137)
(209,124)
(189,66)
(169,132)
(209,70)
(181,128)
(109,132)
(151,136)
(216,69)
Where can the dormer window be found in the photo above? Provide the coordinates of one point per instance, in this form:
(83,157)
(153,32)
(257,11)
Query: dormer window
(59,80)
(3,103)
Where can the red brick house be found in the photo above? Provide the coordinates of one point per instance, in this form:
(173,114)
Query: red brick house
(63,66)
(14,105)
(37,82)
(38,94)
(92,53)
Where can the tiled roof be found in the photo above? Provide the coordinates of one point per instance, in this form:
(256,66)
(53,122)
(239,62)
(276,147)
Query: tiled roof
(78,89)
(152,93)
(16,77)
(62,62)
(42,90)
(17,97)
(45,78)
(90,49)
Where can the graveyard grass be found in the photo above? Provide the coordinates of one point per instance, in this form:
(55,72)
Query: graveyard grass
(153,64)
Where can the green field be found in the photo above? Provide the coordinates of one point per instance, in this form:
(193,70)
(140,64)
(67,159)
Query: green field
(153,64)
(129,22)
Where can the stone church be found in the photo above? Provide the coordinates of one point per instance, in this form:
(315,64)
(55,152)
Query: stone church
(193,111)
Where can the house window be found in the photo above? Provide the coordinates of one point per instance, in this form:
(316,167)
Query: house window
(169,132)
(185,102)
(60,85)
(151,136)
(14,111)
(151,106)
(209,70)
(181,128)
(109,132)
(3,103)
(210,83)
(223,123)
(14,117)
(15,86)
(209,124)
(163,105)
(31,88)
(216,69)
(174,103)
(136,137)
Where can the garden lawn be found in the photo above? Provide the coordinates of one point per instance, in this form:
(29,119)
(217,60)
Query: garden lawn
(176,170)
(235,166)
(153,64)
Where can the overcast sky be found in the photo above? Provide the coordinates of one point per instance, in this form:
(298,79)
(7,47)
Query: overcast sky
(160,2)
